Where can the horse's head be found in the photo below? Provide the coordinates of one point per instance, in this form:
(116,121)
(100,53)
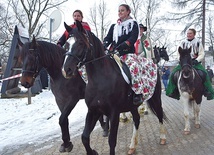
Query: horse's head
(163,53)
(185,62)
(81,51)
(157,53)
(29,56)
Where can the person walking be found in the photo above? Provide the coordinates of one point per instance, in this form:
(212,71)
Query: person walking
(165,76)
(210,73)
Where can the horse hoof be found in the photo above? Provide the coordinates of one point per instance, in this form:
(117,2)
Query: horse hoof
(131,151)
(162,141)
(105,133)
(66,149)
(186,132)
(124,120)
(95,152)
(146,113)
(197,126)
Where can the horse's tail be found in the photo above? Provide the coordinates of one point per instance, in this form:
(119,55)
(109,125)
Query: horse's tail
(155,103)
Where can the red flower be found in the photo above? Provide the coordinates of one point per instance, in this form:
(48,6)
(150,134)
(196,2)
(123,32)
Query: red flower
(146,43)
(145,90)
(135,71)
(152,73)
(135,85)
(151,84)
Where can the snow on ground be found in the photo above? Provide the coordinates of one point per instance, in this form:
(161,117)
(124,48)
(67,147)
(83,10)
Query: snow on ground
(21,123)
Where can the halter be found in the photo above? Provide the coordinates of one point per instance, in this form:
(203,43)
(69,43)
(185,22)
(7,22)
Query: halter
(36,71)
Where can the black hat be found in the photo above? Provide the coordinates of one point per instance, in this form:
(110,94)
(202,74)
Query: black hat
(142,26)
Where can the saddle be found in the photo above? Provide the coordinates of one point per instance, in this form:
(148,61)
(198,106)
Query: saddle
(124,69)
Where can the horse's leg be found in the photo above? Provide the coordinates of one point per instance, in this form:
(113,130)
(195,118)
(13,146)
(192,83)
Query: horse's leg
(106,126)
(145,108)
(67,146)
(162,134)
(114,123)
(185,100)
(155,105)
(91,119)
(134,140)
(197,111)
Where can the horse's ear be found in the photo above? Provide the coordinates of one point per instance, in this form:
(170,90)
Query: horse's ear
(179,49)
(20,44)
(67,27)
(79,26)
(34,41)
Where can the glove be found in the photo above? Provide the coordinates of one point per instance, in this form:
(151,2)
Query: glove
(122,46)
(195,62)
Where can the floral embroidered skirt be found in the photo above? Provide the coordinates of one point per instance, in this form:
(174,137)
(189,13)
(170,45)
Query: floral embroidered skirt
(143,73)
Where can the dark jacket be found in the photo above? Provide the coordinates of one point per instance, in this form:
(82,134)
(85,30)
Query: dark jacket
(131,37)
(210,73)
(165,74)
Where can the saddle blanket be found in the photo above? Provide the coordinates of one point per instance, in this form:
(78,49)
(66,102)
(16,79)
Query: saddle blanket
(143,74)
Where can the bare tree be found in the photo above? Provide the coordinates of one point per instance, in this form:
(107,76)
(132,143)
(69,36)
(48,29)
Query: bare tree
(6,32)
(29,13)
(210,35)
(194,16)
(210,32)
(98,18)
(146,12)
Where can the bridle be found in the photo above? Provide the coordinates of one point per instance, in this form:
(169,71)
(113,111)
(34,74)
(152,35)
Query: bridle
(35,72)
(82,61)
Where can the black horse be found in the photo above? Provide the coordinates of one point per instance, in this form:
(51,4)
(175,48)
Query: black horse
(106,92)
(160,52)
(190,86)
(36,55)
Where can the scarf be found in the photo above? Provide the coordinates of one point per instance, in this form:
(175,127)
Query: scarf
(122,28)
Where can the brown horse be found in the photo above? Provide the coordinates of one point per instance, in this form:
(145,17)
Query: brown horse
(36,55)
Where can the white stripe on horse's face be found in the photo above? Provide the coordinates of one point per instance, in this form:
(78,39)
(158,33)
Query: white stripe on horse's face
(63,70)
(71,41)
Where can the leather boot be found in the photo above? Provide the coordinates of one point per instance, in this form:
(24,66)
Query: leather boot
(137,99)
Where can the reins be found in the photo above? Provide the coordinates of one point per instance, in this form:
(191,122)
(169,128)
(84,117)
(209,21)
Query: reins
(82,62)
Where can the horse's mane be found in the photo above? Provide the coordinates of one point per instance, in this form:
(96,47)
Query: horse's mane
(48,52)
(94,42)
